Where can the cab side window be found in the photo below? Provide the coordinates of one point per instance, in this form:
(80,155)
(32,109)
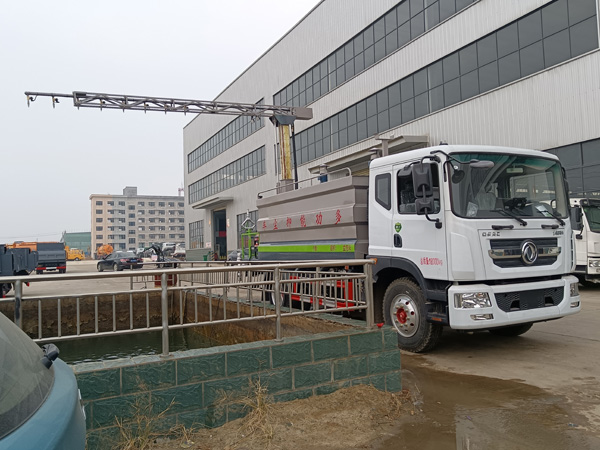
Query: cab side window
(383,190)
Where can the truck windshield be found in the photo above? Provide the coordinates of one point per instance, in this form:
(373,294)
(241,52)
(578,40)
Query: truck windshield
(592,214)
(516,186)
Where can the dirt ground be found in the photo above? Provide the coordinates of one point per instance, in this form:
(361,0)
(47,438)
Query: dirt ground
(356,417)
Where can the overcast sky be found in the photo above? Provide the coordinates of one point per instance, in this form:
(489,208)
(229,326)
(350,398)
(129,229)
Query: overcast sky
(52,159)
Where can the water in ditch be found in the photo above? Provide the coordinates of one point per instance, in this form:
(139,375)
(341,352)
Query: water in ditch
(463,412)
(127,346)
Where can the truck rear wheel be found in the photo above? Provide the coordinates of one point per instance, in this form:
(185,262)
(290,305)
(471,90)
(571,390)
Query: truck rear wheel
(404,308)
(513,330)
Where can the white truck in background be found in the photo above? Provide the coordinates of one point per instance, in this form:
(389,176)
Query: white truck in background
(587,240)
(470,237)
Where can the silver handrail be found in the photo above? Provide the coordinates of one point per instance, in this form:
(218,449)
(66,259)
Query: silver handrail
(267,290)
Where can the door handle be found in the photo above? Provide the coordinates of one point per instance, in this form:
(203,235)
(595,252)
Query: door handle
(397,240)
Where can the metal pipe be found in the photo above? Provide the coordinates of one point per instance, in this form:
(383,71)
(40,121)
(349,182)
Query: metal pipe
(18,305)
(165,314)
(369,295)
(277,300)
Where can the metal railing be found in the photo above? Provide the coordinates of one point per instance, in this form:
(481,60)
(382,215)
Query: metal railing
(189,297)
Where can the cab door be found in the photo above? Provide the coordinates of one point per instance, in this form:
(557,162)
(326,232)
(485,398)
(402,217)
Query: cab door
(381,204)
(417,242)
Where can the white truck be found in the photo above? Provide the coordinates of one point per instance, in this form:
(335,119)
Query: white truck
(587,240)
(470,237)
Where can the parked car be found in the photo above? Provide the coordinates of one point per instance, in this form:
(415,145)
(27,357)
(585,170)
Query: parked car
(119,261)
(40,404)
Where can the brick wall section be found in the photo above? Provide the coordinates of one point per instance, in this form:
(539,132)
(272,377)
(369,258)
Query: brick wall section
(190,385)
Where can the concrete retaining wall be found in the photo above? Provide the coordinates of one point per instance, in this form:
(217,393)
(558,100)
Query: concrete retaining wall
(199,387)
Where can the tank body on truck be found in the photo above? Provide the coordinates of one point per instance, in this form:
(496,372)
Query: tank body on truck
(471,237)
(587,240)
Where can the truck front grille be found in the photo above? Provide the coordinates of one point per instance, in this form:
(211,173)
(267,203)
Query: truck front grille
(524,300)
(506,253)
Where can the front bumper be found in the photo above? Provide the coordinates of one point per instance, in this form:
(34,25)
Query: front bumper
(512,304)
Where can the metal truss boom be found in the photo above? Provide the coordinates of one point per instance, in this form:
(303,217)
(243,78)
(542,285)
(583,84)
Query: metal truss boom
(142,103)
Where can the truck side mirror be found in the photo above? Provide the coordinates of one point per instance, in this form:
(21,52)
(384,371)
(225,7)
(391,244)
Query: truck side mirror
(576,216)
(424,205)
(422,180)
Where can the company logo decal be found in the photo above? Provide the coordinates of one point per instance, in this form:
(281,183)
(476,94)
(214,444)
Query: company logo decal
(529,252)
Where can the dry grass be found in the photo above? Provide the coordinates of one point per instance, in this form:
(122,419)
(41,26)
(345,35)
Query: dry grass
(140,432)
(257,425)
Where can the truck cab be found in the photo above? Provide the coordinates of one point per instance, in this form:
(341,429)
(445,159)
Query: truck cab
(472,237)
(587,240)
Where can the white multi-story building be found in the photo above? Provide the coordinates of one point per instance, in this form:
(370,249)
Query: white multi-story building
(131,221)
(402,74)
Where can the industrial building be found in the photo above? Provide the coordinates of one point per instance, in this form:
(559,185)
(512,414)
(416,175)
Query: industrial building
(131,221)
(386,76)
(80,240)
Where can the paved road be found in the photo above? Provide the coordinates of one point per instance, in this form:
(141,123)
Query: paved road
(561,357)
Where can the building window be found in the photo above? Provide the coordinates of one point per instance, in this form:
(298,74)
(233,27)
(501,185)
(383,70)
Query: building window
(151,204)
(98,202)
(197,234)
(161,204)
(121,203)
(110,203)
(141,204)
(396,28)
(131,207)
(237,172)
(581,162)
(131,232)
(98,211)
(234,132)
(98,219)
(98,228)
(131,216)
(99,236)
(132,240)
(180,204)
(537,41)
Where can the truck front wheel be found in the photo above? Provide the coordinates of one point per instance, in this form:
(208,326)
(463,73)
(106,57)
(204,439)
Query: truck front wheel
(404,308)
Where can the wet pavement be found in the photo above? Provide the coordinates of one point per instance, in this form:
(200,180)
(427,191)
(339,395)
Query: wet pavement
(466,412)
(476,391)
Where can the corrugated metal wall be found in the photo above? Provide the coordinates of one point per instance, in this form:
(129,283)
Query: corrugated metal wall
(553,108)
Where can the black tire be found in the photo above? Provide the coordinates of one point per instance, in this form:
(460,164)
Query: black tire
(100,268)
(512,331)
(116,267)
(405,309)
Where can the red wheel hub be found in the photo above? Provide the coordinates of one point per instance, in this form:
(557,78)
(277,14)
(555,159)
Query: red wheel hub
(401,316)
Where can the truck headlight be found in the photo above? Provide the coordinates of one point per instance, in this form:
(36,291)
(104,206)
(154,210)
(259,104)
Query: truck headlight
(575,289)
(471,300)
(594,263)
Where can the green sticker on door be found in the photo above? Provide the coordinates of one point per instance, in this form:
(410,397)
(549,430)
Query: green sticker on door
(398,227)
